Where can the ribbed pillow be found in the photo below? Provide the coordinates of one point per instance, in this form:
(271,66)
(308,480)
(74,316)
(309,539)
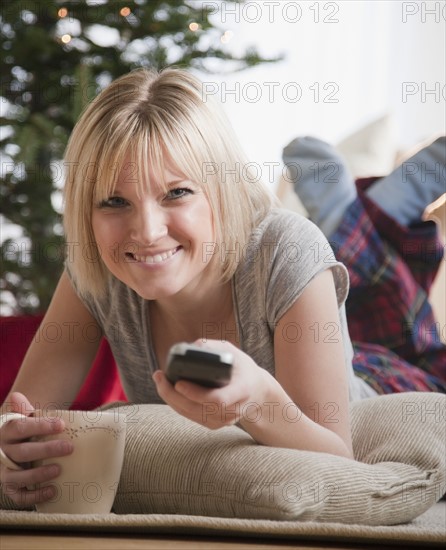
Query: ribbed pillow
(173,465)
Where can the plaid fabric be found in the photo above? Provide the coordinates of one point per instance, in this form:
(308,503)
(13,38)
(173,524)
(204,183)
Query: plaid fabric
(391,323)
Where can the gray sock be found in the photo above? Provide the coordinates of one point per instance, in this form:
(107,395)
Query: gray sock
(321,180)
(420,180)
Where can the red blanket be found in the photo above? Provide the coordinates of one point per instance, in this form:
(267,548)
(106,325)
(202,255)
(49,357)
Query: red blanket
(101,386)
(391,322)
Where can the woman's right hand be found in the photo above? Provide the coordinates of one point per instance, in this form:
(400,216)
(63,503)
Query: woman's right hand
(15,442)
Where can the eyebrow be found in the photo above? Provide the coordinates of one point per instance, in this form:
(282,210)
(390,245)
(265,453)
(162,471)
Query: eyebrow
(173,182)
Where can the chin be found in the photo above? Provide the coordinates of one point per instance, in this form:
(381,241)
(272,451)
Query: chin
(155,294)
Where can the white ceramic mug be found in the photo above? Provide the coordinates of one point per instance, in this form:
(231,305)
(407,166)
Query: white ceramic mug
(89,476)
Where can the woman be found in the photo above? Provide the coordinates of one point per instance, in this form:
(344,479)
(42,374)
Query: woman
(170,238)
(378,231)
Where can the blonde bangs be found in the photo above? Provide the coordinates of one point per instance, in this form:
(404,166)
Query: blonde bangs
(146,151)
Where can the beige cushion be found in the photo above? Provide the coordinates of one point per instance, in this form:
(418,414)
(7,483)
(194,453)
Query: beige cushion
(175,466)
(371,150)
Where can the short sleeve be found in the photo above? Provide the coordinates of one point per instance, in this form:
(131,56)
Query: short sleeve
(299,251)
(286,251)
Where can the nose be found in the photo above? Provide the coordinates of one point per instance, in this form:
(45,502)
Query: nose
(149,223)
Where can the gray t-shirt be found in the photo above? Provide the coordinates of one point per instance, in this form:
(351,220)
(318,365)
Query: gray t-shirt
(285,252)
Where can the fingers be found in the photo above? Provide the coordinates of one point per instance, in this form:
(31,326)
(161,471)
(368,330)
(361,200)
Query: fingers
(202,405)
(198,394)
(16,441)
(20,402)
(177,401)
(218,407)
(23,487)
(27,478)
(17,402)
(24,497)
(31,451)
(28,427)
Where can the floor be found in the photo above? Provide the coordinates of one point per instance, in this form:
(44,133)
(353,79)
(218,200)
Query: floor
(18,540)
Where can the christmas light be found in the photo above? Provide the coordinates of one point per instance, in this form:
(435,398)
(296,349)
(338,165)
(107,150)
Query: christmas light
(125,12)
(194,27)
(63,12)
(226,37)
(66,38)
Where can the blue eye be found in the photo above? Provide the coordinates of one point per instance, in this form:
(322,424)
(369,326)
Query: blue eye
(113,202)
(178,193)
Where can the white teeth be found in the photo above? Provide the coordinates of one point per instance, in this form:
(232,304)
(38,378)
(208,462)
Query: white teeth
(156,259)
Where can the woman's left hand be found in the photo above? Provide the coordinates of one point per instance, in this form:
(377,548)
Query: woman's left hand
(244,396)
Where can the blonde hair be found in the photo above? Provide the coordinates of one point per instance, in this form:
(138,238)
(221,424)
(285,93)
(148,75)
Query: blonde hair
(157,119)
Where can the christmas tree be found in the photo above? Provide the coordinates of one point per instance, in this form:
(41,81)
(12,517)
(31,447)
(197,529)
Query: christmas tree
(55,58)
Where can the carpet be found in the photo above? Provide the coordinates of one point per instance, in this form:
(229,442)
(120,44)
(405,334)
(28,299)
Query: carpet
(428,530)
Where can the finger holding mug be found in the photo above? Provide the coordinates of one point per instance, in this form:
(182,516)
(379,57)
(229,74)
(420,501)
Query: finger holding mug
(18,452)
(89,476)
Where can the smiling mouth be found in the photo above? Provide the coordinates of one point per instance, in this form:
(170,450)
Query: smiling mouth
(155,259)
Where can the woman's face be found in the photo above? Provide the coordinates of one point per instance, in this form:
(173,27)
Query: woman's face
(156,243)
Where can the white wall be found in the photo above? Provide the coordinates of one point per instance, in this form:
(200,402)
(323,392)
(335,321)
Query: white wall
(375,57)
